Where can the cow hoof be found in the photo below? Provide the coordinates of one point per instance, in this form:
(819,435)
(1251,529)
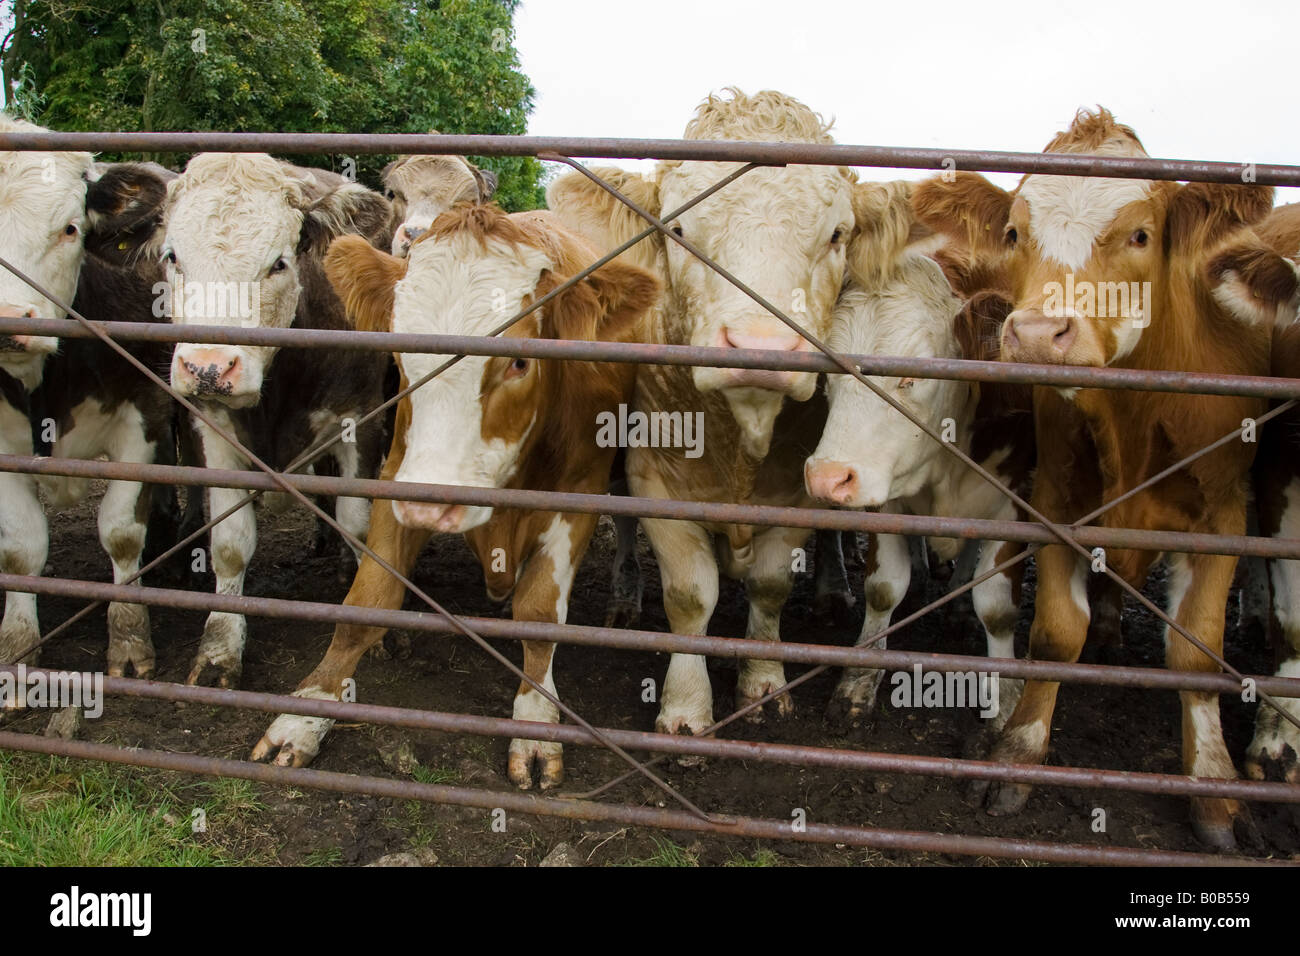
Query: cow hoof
(136,654)
(17,640)
(782,705)
(622,613)
(1272,754)
(854,701)
(1006,799)
(834,609)
(208,672)
(685,725)
(143,670)
(292,740)
(547,756)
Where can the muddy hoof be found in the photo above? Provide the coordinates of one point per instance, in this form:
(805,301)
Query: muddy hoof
(622,614)
(1006,799)
(849,717)
(210,673)
(544,756)
(834,609)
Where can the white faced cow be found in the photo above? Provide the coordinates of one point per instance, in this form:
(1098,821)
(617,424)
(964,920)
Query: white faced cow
(422,188)
(244,238)
(78,399)
(785,232)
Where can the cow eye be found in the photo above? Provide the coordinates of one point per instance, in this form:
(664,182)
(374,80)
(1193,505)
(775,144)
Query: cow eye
(170,256)
(677,231)
(1138,239)
(70,229)
(279,265)
(390,195)
(1012,236)
(517,368)
(836,236)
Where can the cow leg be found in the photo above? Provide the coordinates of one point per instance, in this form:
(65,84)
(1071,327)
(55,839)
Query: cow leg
(1058,633)
(1272,753)
(997,605)
(24,540)
(293,740)
(220,657)
(626,586)
(889,571)
(1198,597)
(353,514)
(768,585)
(689,570)
(832,599)
(543,595)
(122,528)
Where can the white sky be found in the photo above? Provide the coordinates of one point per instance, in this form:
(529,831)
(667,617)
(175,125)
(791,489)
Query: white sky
(1196,80)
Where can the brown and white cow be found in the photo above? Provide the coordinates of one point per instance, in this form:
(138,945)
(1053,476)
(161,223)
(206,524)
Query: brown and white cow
(907,298)
(1259,280)
(422,188)
(1112,272)
(76,227)
(244,240)
(784,231)
(484,422)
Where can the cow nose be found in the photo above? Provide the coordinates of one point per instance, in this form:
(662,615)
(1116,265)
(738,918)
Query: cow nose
(411,233)
(777,340)
(429,515)
(834,481)
(1035,335)
(210,371)
(17,342)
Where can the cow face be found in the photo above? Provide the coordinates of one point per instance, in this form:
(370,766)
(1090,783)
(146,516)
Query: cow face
(1093,262)
(476,267)
(52,205)
(422,188)
(869,453)
(237,232)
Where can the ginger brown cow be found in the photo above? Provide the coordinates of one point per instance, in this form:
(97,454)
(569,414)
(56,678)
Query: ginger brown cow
(485,422)
(1073,246)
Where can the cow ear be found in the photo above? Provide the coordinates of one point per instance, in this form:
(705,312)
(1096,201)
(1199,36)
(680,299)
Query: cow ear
(363,277)
(124,210)
(965,207)
(625,293)
(1201,215)
(591,212)
(978,326)
(487,182)
(350,208)
(1254,284)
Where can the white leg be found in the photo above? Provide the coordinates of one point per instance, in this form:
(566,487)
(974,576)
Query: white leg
(998,609)
(352,513)
(1273,750)
(889,571)
(768,586)
(221,650)
(690,584)
(24,539)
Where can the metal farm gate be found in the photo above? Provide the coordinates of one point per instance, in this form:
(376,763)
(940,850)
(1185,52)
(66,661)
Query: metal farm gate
(687,817)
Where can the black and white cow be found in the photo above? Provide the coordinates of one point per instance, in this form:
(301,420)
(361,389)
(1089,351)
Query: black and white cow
(243,239)
(77,228)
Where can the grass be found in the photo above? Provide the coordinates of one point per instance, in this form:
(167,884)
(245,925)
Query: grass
(666,853)
(760,858)
(324,856)
(425,774)
(59,812)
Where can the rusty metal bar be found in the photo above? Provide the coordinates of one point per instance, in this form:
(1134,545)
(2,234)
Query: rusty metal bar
(727,151)
(735,648)
(979,529)
(964,370)
(741,826)
(676,744)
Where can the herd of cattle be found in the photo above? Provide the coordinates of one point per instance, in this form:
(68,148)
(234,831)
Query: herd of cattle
(951,267)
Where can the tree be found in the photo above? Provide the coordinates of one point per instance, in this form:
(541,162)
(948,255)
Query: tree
(402,66)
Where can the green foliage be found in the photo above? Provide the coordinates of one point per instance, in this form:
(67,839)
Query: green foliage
(362,66)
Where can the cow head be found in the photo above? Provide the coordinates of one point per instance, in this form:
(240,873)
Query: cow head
(473,269)
(1094,262)
(52,206)
(237,231)
(782,231)
(422,188)
(869,453)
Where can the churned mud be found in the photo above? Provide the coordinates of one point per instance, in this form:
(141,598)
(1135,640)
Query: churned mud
(1094,726)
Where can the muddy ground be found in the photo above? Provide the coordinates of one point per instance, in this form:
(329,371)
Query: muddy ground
(1094,726)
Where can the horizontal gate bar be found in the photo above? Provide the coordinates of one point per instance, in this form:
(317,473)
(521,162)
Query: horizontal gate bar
(968,370)
(878,838)
(768,154)
(791,754)
(978,529)
(651,641)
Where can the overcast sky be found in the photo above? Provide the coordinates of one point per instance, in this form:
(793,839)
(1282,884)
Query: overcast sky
(1211,81)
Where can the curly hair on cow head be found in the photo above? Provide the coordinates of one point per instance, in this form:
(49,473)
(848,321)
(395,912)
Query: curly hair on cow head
(767,115)
(1096,132)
